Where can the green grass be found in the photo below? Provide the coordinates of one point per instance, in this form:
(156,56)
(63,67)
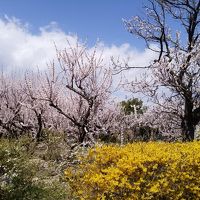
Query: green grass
(30,170)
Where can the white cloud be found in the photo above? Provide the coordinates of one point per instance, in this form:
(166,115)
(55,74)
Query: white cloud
(127,54)
(21,49)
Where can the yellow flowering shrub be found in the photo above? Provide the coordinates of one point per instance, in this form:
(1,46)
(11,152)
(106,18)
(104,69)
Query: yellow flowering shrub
(138,171)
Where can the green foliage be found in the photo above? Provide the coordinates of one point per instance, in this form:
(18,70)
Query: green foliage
(138,132)
(128,106)
(25,175)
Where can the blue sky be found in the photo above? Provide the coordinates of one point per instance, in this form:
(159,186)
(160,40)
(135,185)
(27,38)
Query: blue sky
(89,19)
(30,28)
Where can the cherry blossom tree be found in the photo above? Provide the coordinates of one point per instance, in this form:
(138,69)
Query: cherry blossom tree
(12,113)
(78,85)
(38,111)
(172,81)
(20,112)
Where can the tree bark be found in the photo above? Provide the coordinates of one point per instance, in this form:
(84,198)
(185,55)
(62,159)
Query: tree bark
(82,134)
(39,131)
(188,125)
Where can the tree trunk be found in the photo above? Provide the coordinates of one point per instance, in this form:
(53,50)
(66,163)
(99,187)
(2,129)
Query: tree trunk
(188,131)
(188,126)
(39,131)
(82,134)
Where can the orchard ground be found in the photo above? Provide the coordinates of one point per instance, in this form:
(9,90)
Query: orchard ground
(141,170)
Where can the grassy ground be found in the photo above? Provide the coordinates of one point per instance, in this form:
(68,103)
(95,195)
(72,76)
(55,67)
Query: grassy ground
(51,170)
(30,170)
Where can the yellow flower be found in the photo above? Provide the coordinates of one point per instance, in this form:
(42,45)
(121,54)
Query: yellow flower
(151,170)
(155,188)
